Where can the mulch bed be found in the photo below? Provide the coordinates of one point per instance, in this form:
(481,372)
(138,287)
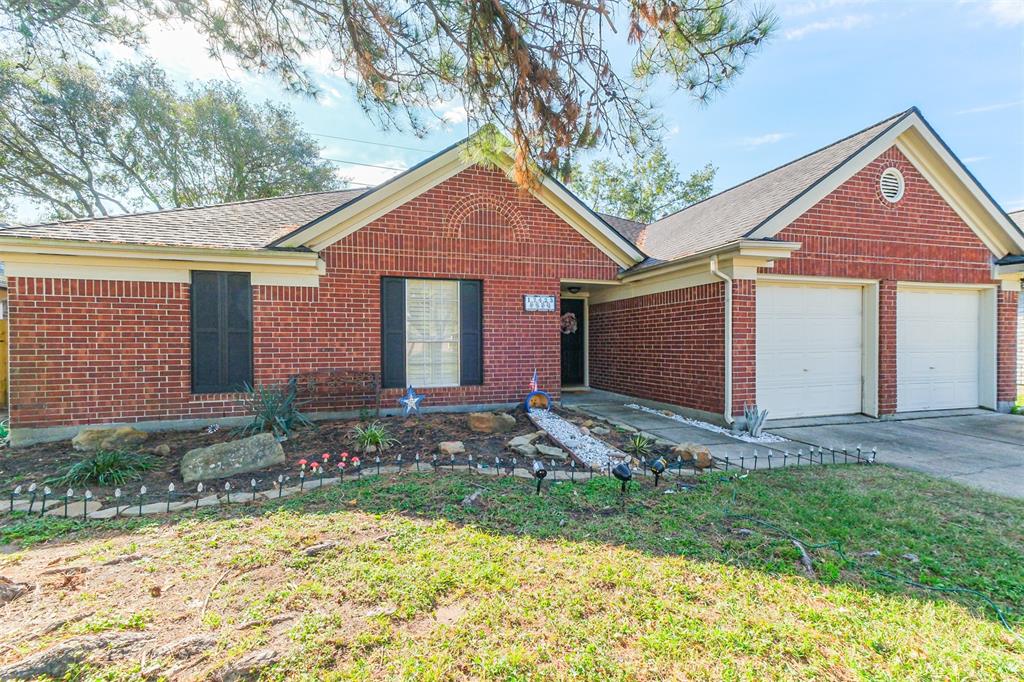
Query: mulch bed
(418,435)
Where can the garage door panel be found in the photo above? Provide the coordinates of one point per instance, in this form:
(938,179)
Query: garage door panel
(809,349)
(937,341)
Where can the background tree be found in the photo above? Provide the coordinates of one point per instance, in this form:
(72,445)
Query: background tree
(643,189)
(78,143)
(542,70)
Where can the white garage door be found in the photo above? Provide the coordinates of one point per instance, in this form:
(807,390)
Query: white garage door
(809,349)
(936,349)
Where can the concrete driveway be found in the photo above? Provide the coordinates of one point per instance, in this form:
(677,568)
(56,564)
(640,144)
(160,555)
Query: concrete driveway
(981,450)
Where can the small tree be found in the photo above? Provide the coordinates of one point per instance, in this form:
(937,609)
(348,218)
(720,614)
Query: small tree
(643,189)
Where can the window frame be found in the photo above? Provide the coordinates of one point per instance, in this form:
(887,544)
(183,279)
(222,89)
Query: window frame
(458,333)
(224,349)
(477,331)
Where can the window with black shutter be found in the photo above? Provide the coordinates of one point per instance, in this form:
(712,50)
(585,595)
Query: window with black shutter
(431,332)
(221,304)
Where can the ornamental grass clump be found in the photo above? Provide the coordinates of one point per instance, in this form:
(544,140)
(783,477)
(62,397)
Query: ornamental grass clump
(107,468)
(373,437)
(273,408)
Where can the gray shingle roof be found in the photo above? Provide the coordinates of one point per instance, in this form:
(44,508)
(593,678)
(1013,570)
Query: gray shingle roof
(1017,217)
(732,214)
(239,225)
(630,229)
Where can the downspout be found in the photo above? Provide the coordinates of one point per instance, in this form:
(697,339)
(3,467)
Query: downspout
(727,412)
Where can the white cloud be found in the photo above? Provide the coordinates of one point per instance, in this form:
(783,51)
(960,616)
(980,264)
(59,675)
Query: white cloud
(1003,12)
(985,108)
(844,23)
(761,140)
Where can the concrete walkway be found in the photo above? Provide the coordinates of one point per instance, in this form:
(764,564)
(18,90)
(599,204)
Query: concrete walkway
(981,449)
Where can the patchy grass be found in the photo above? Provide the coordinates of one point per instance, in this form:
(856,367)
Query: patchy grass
(561,586)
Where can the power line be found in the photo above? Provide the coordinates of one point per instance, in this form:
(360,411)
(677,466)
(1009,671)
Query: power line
(360,163)
(379,144)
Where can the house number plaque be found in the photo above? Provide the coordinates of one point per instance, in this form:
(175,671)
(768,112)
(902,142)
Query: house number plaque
(538,303)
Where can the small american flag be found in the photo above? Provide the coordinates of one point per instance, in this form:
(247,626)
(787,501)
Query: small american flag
(533,382)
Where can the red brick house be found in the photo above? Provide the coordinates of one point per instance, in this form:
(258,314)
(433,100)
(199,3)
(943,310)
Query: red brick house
(873,276)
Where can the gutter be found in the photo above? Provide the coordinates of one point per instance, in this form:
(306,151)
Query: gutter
(727,412)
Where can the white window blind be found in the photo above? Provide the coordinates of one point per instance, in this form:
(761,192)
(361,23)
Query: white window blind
(432,333)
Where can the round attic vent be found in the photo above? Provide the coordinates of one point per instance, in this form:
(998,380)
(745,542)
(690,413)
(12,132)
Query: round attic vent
(891,184)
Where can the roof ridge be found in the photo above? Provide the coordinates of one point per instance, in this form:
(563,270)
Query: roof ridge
(788,163)
(175,209)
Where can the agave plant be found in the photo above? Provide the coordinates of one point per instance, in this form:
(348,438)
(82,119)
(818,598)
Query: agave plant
(273,408)
(755,419)
(640,446)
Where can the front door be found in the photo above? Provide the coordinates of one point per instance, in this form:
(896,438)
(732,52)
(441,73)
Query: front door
(573,354)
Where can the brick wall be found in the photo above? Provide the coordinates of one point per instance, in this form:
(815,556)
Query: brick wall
(1020,346)
(667,346)
(92,351)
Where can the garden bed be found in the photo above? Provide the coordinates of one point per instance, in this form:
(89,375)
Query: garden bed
(417,435)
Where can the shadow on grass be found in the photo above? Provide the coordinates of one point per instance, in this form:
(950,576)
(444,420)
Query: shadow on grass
(886,520)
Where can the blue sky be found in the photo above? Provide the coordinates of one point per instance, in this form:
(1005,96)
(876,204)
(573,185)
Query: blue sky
(832,68)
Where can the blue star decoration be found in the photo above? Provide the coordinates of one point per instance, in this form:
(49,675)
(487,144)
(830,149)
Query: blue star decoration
(410,402)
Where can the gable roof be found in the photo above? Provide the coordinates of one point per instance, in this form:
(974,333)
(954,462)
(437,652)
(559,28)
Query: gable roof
(246,225)
(761,207)
(345,219)
(733,213)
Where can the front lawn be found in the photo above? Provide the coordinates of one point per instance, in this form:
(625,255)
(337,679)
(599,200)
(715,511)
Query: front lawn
(561,586)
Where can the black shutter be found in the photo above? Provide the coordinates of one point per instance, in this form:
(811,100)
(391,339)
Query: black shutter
(221,304)
(392,333)
(471,308)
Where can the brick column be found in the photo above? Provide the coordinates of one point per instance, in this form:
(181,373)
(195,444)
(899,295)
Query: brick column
(744,344)
(1006,348)
(887,347)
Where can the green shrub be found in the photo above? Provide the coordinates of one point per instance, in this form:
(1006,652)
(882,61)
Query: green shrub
(273,408)
(374,435)
(5,429)
(105,467)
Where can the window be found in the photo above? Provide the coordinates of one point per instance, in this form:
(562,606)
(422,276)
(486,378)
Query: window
(221,304)
(431,332)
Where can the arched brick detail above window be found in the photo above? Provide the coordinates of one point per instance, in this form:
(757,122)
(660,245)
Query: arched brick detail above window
(479,216)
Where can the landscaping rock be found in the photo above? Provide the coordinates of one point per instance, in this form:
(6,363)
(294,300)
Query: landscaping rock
(491,422)
(162,450)
(9,591)
(525,440)
(104,648)
(248,666)
(552,452)
(187,647)
(451,447)
(75,509)
(475,500)
(699,455)
(118,438)
(230,458)
(525,450)
(600,430)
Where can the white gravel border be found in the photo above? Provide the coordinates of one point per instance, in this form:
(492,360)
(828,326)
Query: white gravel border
(592,451)
(764,438)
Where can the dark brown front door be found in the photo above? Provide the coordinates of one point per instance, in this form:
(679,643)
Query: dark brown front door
(573,356)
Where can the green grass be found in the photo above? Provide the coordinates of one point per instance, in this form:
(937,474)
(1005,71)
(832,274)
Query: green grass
(569,586)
